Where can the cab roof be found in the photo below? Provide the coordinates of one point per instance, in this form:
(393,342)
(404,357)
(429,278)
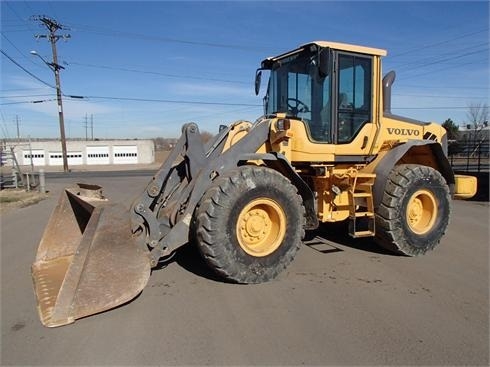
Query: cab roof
(334,45)
(348,47)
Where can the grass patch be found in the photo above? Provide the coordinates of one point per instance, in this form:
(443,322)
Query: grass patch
(15,198)
(6,199)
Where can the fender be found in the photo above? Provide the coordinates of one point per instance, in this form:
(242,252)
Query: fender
(386,164)
(279,163)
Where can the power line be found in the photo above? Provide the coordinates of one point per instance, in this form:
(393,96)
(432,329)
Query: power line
(26,4)
(135,99)
(436,60)
(454,54)
(445,87)
(169,101)
(14,46)
(153,73)
(27,96)
(17,31)
(431,108)
(119,34)
(437,96)
(25,70)
(187,102)
(17,15)
(436,71)
(24,102)
(240,104)
(438,43)
(19,89)
(451,58)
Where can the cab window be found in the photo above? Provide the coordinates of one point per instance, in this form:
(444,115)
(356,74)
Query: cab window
(354,95)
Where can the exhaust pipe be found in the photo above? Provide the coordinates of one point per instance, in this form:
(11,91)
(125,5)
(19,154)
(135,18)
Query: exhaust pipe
(388,81)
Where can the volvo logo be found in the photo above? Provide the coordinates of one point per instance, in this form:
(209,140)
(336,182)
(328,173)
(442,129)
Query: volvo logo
(403,132)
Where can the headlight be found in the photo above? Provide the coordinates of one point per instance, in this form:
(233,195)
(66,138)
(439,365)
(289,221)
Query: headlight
(283,124)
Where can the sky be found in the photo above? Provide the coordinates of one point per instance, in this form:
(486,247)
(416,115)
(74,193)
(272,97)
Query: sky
(146,68)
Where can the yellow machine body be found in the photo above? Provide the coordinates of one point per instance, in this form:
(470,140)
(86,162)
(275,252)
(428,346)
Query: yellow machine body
(327,149)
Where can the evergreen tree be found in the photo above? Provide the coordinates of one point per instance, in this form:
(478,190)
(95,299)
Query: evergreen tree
(451,128)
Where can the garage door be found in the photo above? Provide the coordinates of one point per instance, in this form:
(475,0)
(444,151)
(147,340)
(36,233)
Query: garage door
(74,158)
(98,155)
(37,155)
(125,154)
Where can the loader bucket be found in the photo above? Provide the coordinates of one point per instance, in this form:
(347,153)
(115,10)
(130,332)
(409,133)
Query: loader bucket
(87,260)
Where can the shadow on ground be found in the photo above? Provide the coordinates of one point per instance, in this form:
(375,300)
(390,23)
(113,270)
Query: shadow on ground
(337,236)
(327,239)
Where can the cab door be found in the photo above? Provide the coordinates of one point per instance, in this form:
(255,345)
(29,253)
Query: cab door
(353,127)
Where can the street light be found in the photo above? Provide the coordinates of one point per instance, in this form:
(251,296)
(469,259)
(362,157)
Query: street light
(55,67)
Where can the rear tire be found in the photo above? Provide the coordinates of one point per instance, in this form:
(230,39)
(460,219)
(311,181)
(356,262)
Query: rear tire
(249,224)
(414,212)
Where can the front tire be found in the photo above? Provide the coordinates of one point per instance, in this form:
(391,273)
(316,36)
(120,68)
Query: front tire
(414,212)
(249,224)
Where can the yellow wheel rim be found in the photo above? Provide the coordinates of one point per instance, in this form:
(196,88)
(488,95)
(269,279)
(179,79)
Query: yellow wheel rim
(261,227)
(421,211)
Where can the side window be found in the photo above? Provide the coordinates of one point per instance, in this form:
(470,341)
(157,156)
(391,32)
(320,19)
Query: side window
(354,95)
(322,131)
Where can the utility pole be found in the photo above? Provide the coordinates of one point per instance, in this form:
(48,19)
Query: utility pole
(53,26)
(86,127)
(92,125)
(18,130)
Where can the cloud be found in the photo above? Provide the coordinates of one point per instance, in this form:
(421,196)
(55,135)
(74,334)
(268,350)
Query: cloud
(211,89)
(38,98)
(122,119)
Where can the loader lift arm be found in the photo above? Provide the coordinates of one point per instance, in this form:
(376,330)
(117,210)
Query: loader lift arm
(162,214)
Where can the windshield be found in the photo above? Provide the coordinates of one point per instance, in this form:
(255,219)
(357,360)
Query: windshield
(298,88)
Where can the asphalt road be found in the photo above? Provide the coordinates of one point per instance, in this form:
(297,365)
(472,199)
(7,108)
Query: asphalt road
(341,302)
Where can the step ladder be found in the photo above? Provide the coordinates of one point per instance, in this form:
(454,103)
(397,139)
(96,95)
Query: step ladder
(361,205)
(10,177)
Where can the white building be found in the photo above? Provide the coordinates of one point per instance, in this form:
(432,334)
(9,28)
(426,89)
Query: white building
(100,152)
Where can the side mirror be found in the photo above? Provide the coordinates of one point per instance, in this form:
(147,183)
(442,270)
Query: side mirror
(323,60)
(258,80)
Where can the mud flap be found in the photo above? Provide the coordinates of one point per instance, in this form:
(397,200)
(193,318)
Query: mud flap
(87,261)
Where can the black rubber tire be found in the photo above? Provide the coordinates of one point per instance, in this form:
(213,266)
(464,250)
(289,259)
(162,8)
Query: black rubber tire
(393,230)
(214,225)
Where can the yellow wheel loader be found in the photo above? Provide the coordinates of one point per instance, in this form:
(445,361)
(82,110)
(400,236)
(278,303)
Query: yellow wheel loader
(327,149)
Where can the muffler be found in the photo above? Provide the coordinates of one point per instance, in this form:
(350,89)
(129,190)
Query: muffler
(88,260)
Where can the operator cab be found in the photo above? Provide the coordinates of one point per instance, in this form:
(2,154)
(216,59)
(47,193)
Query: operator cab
(326,85)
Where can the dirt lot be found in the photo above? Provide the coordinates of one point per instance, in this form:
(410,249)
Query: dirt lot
(341,302)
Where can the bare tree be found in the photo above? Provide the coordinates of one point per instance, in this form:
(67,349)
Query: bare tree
(478,119)
(206,136)
(477,115)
